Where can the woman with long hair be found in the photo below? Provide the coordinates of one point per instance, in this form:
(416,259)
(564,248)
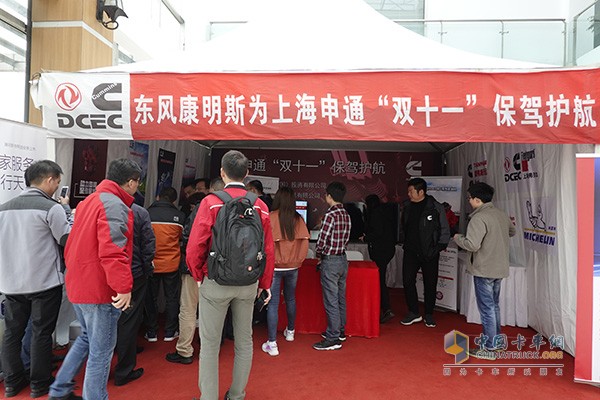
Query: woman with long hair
(291,246)
(381,238)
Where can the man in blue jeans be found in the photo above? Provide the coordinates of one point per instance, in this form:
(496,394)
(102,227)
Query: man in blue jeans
(99,281)
(487,238)
(331,253)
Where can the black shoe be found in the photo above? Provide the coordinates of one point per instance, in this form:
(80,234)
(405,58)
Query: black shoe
(178,358)
(326,344)
(429,321)
(41,390)
(133,375)
(12,391)
(70,396)
(386,316)
(411,318)
(342,336)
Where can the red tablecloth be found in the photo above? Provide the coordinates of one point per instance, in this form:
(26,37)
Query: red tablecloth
(362,300)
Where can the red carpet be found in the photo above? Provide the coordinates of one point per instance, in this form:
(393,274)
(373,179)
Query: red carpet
(404,362)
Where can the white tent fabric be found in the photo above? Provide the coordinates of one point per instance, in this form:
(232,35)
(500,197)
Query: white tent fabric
(551,270)
(320,35)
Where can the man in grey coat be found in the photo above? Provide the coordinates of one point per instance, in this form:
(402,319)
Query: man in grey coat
(487,238)
(32,226)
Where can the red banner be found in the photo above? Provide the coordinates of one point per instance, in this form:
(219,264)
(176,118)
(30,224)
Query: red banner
(557,106)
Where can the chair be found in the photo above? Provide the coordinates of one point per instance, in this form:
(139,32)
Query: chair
(353,255)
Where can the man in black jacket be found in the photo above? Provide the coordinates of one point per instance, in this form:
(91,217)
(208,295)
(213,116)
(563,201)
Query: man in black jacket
(144,245)
(426,233)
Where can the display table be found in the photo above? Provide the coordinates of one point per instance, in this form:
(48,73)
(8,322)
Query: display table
(513,295)
(362,300)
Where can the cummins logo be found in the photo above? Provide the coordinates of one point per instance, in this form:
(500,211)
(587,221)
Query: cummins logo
(521,163)
(67,96)
(413,168)
(103,96)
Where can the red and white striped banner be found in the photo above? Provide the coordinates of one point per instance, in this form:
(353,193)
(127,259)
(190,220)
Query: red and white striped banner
(555,106)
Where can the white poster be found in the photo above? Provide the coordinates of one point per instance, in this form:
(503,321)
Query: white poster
(446,189)
(447,286)
(20,145)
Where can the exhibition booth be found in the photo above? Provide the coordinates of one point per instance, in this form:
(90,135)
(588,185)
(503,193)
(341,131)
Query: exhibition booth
(358,99)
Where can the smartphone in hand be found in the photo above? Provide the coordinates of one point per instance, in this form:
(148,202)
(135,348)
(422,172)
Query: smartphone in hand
(64,191)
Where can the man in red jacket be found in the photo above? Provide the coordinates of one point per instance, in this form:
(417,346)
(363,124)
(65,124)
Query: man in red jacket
(215,299)
(98,281)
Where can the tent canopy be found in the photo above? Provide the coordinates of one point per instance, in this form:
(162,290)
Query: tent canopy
(324,73)
(320,35)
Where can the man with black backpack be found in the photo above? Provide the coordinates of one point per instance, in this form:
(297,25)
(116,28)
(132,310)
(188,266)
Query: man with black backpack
(230,252)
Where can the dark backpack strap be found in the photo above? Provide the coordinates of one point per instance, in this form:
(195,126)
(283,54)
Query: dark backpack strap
(222,195)
(252,197)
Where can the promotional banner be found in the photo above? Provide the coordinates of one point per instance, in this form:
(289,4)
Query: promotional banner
(20,146)
(89,161)
(166,166)
(553,106)
(363,172)
(138,152)
(587,355)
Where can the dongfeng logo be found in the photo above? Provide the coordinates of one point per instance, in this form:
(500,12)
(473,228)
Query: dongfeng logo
(506,164)
(67,96)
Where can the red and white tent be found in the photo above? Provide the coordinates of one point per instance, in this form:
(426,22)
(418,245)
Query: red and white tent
(333,70)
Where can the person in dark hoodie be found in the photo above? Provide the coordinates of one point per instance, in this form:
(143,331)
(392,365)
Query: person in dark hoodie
(167,223)
(426,233)
(381,237)
(144,245)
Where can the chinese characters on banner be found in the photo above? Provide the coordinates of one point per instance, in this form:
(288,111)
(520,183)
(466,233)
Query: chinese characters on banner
(19,147)
(363,173)
(406,106)
(89,168)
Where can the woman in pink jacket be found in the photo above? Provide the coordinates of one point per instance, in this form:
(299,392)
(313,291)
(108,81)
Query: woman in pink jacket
(291,246)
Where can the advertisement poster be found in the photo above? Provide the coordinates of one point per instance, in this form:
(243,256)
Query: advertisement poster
(89,168)
(166,166)
(20,146)
(587,355)
(138,152)
(309,172)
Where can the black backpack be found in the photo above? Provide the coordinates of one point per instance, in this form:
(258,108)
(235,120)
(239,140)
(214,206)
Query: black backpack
(237,252)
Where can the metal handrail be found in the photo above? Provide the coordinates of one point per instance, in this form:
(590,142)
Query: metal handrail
(502,22)
(502,31)
(575,18)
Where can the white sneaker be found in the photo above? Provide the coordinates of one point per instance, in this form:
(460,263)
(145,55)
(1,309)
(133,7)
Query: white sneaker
(270,348)
(289,335)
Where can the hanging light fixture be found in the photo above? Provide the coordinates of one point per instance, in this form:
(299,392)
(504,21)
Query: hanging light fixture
(113,10)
